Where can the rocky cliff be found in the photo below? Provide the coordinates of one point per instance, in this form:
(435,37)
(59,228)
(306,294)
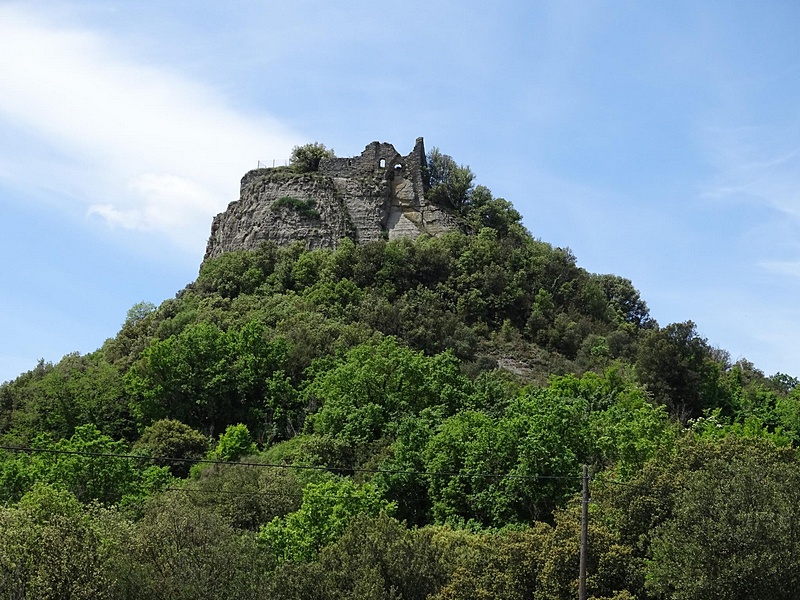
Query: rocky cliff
(377,195)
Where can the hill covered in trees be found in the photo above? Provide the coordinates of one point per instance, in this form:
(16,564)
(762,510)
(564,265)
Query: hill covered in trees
(400,419)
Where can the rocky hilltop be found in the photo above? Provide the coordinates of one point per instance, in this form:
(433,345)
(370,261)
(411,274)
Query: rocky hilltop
(377,195)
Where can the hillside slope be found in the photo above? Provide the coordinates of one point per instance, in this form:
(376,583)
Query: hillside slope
(415,413)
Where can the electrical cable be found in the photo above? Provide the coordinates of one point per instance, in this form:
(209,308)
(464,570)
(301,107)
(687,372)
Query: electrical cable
(27,449)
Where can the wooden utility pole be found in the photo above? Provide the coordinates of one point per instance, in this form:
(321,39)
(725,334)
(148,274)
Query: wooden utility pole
(584,533)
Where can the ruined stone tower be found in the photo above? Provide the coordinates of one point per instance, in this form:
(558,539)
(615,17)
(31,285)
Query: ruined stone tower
(377,195)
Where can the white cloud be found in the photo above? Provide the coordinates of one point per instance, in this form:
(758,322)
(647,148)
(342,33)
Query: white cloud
(757,174)
(756,164)
(164,202)
(790,268)
(148,148)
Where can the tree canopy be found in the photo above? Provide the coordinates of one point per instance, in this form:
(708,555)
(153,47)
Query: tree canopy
(306,158)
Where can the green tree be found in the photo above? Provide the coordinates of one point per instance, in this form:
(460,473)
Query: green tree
(449,182)
(483,210)
(184,377)
(246,497)
(624,301)
(18,473)
(84,464)
(376,558)
(172,439)
(787,409)
(234,444)
(454,450)
(686,500)
(138,311)
(51,548)
(235,273)
(180,551)
(628,428)
(209,378)
(613,569)
(673,363)
(505,565)
(733,532)
(511,469)
(327,509)
(378,384)
(57,398)
(306,158)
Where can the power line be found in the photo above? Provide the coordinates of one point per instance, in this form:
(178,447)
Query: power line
(262,493)
(293,495)
(27,449)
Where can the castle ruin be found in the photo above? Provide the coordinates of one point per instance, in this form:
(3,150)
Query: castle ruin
(377,195)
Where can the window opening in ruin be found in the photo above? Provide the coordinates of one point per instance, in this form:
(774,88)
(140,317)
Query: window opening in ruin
(398,167)
(382,164)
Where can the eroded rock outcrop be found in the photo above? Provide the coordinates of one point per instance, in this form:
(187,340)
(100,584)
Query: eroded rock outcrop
(377,195)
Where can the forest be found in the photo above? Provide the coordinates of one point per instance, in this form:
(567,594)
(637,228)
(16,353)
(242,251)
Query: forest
(403,419)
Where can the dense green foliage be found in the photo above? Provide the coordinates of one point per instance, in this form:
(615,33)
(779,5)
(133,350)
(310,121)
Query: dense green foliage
(450,182)
(403,419)
(306,158)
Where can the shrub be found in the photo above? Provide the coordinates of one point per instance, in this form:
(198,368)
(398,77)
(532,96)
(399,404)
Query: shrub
(305,208)
(306,158)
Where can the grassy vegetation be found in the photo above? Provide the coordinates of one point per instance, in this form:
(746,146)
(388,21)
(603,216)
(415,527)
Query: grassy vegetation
(304,208)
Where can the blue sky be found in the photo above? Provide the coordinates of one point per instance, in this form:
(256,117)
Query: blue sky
(660,141)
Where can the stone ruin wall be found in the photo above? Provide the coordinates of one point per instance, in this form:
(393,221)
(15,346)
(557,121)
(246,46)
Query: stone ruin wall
(377,195)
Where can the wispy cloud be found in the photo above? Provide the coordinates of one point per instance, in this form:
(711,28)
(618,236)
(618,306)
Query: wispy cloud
(756,182)
(148,148)
(759,164)
(790,268)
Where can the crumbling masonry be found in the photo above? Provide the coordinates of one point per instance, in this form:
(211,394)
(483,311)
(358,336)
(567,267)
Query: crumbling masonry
(377,195)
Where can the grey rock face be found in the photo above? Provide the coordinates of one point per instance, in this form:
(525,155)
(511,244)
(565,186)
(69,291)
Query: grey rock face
(379,194)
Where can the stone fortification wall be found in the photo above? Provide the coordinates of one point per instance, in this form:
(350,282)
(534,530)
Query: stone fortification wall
(377,195)
(377,159)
